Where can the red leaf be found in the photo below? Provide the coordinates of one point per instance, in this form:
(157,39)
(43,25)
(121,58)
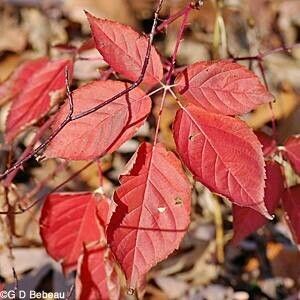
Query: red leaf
(105,209)
(34,101)
(104,130)
(20,77)
(291,204)
(292,152)
(223,153)
(96,276)
(269,145)
(124,49)
(68,221)
(152,215)
(222,87)
(247,220)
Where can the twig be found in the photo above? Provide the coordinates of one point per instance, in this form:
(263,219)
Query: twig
(196,4)
(69,118)
(262,71)
(38,135)
(262,55)
(185,13)
(28,196)
(260,58)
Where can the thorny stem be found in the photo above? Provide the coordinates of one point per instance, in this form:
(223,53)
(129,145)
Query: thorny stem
(172,18)
(185,13)
(260,58)
(36,138)
(197,4)
(48,140)
(178,40)
(70,117)
(69,95)
(138,81)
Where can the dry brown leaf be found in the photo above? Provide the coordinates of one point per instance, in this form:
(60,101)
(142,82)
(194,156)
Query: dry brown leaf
(91,175)
(286,264)
(156,294)
(284,261)
(174,288)
(289,19)
(167,117)
(116,10)
(8,65)
(283,68)
(286,102)
(88,67)
(261,16)
(25,259)
(142,9)
(13,37)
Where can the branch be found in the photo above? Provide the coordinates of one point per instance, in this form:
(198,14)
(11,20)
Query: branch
(185,13)
(27,151)
(70,116)
(262,55)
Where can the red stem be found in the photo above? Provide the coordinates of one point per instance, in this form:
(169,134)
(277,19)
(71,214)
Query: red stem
(37,137)
(262,71)
(171,19)
(70,117)
(186,12)
(262,55)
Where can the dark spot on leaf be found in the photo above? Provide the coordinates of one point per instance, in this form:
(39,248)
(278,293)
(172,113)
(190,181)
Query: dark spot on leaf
(191,137)
(130,291)
(178,201)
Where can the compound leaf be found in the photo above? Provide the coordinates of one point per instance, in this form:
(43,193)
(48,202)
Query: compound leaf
(223,153)
(152,215)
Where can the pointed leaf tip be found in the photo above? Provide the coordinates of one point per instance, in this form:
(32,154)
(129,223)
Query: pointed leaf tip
(224,154)
(69,220)
(125,50)
(139,234)
(245,219)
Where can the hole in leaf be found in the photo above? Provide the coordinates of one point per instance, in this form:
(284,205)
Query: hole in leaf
(161,209)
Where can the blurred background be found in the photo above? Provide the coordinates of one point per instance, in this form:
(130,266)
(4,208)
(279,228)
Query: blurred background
(266,265)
